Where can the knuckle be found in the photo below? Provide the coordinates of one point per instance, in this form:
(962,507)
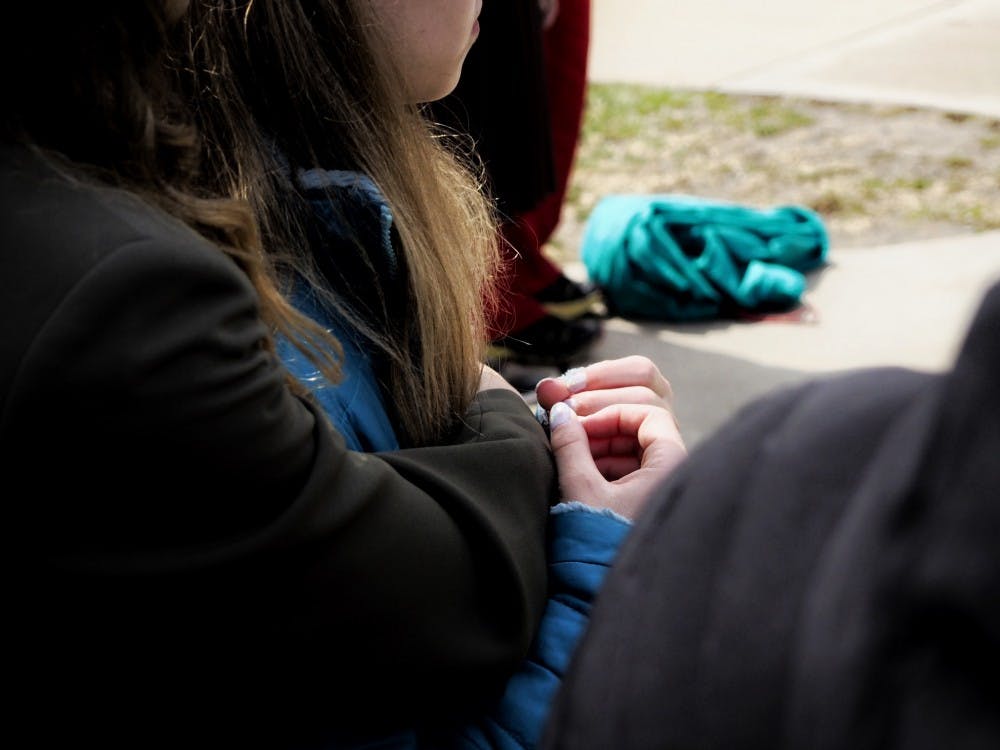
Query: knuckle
(650,373)
(668,391)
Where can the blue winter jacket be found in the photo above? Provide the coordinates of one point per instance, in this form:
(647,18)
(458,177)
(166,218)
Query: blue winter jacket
(582,541)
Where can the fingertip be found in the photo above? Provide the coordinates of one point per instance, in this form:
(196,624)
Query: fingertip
(575,379)
(560,414)
(549,390)
(542,385)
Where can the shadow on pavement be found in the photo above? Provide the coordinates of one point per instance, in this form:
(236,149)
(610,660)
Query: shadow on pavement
(708,387)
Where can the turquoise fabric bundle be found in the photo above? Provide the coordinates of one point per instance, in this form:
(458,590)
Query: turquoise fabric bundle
(681,258)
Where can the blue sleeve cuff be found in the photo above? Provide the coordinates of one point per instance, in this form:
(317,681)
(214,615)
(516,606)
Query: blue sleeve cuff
(570,506)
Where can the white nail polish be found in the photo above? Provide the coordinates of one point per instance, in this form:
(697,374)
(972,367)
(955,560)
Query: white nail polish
(559,415)
(575,379)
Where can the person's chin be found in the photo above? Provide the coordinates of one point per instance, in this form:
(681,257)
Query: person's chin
(432,94)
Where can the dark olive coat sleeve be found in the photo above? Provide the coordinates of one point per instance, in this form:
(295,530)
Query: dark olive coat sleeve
(187,533)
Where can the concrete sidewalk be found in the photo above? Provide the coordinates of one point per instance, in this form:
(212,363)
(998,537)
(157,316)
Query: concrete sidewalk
(937,53)
(899,305)
(904,305)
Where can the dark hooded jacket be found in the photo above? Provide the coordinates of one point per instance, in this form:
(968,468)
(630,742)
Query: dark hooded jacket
(823,573)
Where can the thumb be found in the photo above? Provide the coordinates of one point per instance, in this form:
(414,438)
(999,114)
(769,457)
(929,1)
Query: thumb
(578,474)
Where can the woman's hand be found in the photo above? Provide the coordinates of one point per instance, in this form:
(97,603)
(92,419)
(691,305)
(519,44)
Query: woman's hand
(618,437)
(586,390)
(616,457)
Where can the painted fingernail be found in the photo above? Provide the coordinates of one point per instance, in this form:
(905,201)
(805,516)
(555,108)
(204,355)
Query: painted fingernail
(541,415)
(575,379)
(559,415)
(572,404)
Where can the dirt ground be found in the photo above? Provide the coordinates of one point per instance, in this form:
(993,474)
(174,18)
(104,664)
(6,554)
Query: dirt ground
(876,174)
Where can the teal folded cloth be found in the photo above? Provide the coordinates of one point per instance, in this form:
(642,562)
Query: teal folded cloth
(681,257)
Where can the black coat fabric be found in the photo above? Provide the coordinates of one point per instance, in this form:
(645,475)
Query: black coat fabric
(823,573)
(502,102)
(188,544)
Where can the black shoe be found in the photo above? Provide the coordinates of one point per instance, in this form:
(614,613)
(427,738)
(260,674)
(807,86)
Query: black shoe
(570,300)
(548,341)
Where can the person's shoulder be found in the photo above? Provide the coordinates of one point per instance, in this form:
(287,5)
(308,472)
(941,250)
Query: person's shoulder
(62,222)
(77,255)
(59,230)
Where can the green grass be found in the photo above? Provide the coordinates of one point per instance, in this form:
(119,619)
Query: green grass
(620,112)
(976,216)
(662,136)
(770,118)
(818,174)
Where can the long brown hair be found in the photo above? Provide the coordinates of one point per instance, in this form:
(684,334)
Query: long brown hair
(89,85)
(308,84)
